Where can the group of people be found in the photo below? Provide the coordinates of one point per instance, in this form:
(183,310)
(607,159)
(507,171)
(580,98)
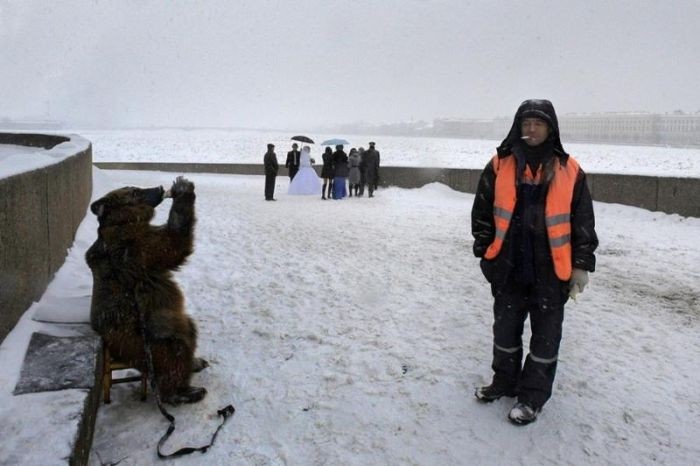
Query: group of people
(342,174)
(534,230)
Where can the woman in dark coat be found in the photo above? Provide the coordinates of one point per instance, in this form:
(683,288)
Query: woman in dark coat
(327,173)
(341,172)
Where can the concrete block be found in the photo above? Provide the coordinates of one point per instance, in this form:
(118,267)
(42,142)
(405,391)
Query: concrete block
(59,363)
(639,191)
(63,417)
(40,210)
(24,244)
(61,200)
(679,196)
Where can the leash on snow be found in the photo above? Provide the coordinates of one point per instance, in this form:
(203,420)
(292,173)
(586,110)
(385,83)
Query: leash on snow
(225,412)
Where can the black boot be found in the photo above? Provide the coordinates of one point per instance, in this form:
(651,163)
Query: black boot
(496,390)
(523,414)
(323,192)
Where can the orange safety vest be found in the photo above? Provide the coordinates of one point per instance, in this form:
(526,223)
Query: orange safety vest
(557,208)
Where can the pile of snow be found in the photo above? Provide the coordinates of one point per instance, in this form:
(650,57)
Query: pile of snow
(15,159)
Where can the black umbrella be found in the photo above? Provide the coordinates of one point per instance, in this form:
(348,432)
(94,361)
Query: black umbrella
(303,139)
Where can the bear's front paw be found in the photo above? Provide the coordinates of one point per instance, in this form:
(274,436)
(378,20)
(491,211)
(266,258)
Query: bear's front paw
(180,186)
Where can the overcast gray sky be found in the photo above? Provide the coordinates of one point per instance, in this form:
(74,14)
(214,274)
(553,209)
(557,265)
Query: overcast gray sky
(288,64)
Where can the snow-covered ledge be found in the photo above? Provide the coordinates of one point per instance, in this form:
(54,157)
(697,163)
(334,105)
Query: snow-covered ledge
(45,189)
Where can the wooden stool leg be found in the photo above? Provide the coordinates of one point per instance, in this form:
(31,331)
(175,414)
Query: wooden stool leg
(108,381)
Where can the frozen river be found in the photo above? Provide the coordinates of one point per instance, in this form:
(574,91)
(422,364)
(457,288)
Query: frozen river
(214,146)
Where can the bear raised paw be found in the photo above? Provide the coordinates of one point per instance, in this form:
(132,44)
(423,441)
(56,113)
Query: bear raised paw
(132,263)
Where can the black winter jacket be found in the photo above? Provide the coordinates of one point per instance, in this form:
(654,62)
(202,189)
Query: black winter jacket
(340,164)
(583,236)
(270,162)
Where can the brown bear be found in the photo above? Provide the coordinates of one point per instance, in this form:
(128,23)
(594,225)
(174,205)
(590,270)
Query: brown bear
(132,263)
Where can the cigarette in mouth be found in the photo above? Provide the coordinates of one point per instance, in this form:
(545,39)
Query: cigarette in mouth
(525,137)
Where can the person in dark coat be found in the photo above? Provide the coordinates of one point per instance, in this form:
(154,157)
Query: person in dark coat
(327,173)
(292,162)
(378,163)
(534,230)
(271,168)
(363,172)
(340,172)
(370,163)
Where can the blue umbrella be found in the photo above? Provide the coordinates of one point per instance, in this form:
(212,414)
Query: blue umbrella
(335,142)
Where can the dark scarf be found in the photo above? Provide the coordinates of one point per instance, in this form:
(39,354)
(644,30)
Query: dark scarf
(533,156)
(531,199)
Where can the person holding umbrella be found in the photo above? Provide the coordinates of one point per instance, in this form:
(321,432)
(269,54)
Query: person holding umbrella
(327,173)
(306,180)
(292,162)
(340,172)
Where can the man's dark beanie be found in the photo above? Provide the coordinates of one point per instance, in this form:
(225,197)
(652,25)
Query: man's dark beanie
(537,109)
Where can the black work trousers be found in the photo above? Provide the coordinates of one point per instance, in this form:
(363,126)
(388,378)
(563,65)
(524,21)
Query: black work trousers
(270,186)
(544,303)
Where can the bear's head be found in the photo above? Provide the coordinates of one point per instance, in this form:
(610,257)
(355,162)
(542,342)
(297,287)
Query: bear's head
(127,205)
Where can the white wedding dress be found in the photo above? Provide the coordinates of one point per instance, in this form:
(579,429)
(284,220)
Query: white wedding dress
(306,181)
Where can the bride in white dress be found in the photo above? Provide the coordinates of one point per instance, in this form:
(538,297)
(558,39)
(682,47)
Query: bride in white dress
(306,181)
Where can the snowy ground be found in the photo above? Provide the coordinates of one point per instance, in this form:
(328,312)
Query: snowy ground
(353,332)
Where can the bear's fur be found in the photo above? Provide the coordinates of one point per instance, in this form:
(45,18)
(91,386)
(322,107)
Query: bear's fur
(132,263)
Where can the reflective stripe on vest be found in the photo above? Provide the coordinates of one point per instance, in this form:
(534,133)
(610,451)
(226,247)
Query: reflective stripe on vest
(557,208)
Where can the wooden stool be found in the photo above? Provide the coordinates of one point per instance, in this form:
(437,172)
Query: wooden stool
(110,365)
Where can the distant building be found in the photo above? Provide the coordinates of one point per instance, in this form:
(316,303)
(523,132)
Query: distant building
(454,127)
(616,128)
(679,129)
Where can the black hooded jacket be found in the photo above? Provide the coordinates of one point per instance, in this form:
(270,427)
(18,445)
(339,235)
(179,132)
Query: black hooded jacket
(525,254)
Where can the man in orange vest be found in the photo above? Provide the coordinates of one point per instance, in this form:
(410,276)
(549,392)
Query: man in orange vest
(534,230)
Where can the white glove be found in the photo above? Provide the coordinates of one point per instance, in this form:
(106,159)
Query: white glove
(578,281)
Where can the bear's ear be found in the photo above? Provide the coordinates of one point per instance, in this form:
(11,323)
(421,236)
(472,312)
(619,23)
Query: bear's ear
(98,208)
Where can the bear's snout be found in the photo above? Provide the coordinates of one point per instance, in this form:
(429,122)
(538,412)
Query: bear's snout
(153,196)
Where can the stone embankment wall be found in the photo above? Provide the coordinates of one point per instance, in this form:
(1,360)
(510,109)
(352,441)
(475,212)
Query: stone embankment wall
(40,211)
(670,195)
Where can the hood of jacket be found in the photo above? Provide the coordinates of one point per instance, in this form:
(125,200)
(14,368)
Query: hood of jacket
(533,108)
